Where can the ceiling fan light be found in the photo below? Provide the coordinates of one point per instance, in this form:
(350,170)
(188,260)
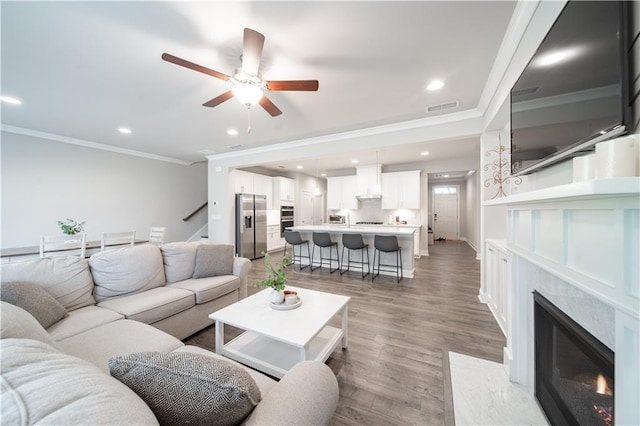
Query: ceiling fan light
(247,94)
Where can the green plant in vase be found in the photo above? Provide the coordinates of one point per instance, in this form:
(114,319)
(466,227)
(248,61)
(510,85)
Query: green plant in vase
(71,227)
(276,277)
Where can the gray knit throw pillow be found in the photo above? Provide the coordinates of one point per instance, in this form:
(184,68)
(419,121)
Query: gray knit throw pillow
(213,260)
(35,300)
(182,387)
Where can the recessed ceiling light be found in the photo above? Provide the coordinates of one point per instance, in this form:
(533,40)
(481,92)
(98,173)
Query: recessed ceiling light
(424,153)
(124,130)
(435,85)
(299,167)
(11,100)
(354,161)
(323,174)
(232,132)
(445,175)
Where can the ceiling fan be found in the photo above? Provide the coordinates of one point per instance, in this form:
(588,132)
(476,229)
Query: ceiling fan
(247,81)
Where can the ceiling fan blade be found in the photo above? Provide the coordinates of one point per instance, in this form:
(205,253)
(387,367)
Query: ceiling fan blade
(184,63)
(269,107)
(299,85)
(252,45)
(219,99)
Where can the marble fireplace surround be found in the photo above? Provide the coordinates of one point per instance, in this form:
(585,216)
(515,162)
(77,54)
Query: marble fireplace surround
(578,247)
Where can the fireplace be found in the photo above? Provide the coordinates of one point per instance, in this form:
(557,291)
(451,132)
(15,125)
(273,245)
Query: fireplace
(574,371)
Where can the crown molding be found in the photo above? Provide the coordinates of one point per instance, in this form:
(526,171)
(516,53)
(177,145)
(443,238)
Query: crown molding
(89,144)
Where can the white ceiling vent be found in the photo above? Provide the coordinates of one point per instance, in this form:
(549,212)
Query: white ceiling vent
(440,107)
(523,92)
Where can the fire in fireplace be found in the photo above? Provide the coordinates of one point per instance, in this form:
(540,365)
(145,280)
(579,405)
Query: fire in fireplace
(574,370)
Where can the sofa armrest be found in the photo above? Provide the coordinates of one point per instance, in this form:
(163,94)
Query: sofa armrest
(306,395)
(241,268)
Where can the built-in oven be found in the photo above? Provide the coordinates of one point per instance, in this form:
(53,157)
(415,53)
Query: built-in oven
(286,218)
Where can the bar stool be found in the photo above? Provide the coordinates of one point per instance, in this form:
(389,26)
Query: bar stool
(354,242)
(322,240)
(387,244)
(294,238)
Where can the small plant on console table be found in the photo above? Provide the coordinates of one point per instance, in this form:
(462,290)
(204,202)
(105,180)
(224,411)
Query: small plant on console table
(276,278)
(71,227)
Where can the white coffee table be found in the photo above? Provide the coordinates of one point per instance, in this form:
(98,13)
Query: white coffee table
(275,340)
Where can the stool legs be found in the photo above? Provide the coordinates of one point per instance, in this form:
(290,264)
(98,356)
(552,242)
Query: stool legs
(299,257)
(363,250)
(398,265)
(322,258)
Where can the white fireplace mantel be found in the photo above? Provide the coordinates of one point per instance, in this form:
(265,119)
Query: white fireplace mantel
(579,246)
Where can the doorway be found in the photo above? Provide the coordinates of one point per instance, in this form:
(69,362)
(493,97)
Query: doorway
(446,212)
(311,209)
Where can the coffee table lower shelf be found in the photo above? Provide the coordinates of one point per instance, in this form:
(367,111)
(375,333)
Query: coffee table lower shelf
(276,358)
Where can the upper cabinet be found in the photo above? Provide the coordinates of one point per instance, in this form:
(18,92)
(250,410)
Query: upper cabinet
(368,180)
(284,190)
(253,183)
(401,190)
(341,193)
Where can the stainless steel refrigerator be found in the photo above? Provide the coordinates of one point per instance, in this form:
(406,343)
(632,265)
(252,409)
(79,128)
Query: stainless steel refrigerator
(251,225)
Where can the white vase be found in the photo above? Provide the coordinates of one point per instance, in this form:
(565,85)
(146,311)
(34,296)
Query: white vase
(276,296)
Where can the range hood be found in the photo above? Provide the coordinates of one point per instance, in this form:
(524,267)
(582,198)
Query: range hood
(368,181)
(369,197)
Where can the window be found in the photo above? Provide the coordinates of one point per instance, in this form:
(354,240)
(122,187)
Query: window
(445,189)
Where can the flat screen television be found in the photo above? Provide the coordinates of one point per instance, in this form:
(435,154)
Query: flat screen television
(575,90)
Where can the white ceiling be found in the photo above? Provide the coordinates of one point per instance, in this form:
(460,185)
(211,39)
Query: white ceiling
(83,69)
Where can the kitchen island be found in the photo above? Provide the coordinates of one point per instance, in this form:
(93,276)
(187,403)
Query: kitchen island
(405,240)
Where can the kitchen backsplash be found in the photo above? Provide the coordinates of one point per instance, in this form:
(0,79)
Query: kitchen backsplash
(371,211)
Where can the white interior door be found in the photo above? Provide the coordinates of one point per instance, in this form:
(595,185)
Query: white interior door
(445,216)
(318,209)
(305,215)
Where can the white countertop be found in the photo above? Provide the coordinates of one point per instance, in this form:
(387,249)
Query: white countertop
(401,230)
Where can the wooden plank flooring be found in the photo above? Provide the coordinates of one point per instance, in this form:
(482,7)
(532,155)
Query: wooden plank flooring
(399,335)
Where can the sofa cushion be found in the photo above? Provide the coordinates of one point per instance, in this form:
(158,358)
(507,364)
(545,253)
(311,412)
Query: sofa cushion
(15,322)
(152,305)
(82,319)
(213,260)
(126,271)
(67,278)
(35,300)
(118,338)
(43,386)
(179,259)
(264,382)
(206,289)
(183,388)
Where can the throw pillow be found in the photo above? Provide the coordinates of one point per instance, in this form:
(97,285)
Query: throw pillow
(183,388)
(213,260)
(35,300)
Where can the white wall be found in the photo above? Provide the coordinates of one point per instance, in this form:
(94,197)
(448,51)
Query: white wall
(44,181)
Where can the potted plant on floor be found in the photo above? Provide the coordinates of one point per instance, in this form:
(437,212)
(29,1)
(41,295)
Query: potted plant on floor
(276,278)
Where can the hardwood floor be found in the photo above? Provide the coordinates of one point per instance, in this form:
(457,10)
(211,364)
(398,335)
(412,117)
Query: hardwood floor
(399,335)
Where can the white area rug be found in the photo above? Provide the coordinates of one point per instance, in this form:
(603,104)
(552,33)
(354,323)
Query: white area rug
(483,395)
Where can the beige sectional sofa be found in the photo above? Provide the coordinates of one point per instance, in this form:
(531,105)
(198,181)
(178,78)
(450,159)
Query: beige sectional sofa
(135,300)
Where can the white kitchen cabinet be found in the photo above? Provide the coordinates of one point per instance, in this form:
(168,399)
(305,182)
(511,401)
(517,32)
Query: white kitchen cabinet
(243,182)
(274,240)
(367,179)
(341,193)
(253,183)
(496,281)
(263,185)
(284,190)
(401,190)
